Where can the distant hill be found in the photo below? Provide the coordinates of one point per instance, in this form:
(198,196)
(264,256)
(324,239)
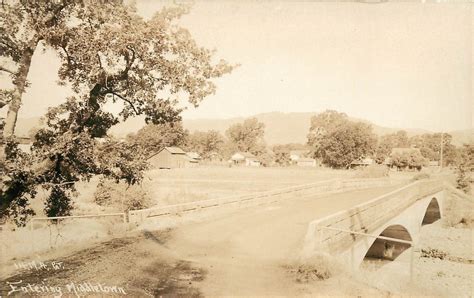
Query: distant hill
(280,128)
(462,137)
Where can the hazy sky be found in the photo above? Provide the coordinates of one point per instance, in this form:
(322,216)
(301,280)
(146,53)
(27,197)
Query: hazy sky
(405,65)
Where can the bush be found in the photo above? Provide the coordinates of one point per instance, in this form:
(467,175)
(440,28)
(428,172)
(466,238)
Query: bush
(121,196)
(317,267)
(420,176)
(372,171)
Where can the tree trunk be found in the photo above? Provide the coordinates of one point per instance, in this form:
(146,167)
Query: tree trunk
(20,84)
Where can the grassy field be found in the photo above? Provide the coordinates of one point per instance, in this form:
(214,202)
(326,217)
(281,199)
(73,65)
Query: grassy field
(185,185)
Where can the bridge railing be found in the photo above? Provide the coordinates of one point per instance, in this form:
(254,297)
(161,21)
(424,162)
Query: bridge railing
(327,233)
(327,186)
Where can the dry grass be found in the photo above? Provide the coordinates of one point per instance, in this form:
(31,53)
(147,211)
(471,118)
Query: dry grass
(458,212)
(186,185)
(315,268)
(372,171)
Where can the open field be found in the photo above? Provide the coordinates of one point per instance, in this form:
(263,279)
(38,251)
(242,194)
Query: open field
(185,185)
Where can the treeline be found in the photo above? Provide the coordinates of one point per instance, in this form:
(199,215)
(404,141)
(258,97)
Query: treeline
(211,145)
(333,139)
(338,141)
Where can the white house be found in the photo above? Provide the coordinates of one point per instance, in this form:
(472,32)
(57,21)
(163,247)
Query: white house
(245,158)
(362,162)
(295,155)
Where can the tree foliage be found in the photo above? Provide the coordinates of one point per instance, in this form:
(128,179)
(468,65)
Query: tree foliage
(337,141)
(206,143)
(108,54)
(465,168)
(430,146)
(154,137)
(282,155)
(411,159)
(247,136)
(387,142)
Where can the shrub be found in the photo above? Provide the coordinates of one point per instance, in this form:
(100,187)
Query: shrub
(420,176)
(121,196)
(372,171)
(433,253)
(317,267)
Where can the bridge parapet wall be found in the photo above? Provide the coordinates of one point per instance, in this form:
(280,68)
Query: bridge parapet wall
(364,218)
(322,187)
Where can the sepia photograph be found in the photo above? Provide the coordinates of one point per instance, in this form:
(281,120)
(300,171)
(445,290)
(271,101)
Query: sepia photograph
(256,148)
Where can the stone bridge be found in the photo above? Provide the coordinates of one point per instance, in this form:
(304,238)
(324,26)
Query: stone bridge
(372,228)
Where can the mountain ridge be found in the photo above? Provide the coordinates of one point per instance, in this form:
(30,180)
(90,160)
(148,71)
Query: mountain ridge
(280,127)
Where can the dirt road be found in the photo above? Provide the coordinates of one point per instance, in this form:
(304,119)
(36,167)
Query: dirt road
(240,252)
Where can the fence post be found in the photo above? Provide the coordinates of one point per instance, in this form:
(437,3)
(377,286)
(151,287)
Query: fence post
(33,248)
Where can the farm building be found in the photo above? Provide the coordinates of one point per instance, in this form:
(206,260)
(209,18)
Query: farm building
(194,155)
(295,155)
(306,162)
(365,162)
(171,158)
(245,158)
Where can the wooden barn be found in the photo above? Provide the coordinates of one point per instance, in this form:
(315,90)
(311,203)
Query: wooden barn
(171,158)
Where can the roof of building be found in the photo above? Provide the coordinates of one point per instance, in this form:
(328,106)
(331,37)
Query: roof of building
(194,155)
(190,159)
(175,150)
(172,150)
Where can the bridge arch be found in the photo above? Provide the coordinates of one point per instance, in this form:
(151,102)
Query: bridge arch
(387,249)
(432,213)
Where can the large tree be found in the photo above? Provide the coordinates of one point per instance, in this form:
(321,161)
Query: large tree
(108,48)
(247,136)
(205,143)
(337,141)
(321,126)
(430,146)
(154,137)
(108,54)
(389,141)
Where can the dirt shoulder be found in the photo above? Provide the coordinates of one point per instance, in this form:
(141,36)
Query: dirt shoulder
(140,265)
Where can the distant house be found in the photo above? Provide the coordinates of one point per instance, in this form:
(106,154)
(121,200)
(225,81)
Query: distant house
(433,163)
(365,162)
(194,155)
(295,155)
(306,162)
(171,158)
(245,158)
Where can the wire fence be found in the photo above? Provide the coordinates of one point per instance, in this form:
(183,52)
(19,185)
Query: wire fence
(52,232)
